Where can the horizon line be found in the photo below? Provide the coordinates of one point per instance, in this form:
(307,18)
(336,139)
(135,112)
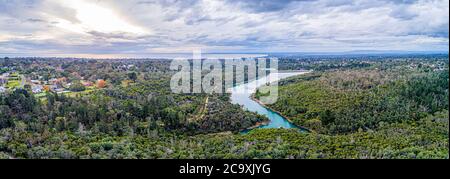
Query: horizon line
(130,55)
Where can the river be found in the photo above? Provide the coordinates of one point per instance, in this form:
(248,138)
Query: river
(241,94)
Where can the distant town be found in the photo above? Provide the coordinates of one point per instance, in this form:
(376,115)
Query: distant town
(60,80)
(39,83)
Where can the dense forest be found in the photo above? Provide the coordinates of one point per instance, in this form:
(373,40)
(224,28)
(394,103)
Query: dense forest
(354,107)
(344,101)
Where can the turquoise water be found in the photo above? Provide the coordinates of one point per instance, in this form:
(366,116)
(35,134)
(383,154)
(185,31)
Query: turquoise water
(241,95)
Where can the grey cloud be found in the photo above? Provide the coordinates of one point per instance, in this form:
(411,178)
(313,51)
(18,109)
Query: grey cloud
(119,35)
(403,13)
(245,25)
(60,11)
(34,20)
(258,6)
(181,4)
(402,1)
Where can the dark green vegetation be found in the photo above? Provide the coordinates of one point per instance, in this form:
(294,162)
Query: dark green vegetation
(358,107)
(343,101)
(120,110)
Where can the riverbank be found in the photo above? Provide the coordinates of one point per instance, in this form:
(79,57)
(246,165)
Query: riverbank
(258,124)
(244,96)
(279,113)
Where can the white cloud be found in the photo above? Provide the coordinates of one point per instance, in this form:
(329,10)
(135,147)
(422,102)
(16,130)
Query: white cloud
(147,26)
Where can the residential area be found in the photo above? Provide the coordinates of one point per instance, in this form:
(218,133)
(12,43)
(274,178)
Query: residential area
(11,79)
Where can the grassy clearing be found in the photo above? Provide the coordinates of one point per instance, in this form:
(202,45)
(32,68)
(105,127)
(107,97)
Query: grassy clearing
(13,84)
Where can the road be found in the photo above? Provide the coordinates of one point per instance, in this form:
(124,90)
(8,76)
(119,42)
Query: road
(23,81)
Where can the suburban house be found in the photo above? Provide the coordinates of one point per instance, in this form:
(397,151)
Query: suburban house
(37,89)
(36,82)
(3,80)
(87,83)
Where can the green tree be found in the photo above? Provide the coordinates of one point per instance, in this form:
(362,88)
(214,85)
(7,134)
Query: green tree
(132,76)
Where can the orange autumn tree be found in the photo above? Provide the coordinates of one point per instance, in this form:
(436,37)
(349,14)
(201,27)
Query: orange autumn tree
(101,83)
(46,88)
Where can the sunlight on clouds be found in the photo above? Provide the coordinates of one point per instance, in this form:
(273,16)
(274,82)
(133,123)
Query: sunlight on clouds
(93,17)
(148,26)
(69,26)
(4,37)
(425,40)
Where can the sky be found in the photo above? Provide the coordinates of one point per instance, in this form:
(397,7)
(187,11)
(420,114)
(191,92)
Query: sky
(117,28)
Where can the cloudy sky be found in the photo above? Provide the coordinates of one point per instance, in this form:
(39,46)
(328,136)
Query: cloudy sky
(125,28)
